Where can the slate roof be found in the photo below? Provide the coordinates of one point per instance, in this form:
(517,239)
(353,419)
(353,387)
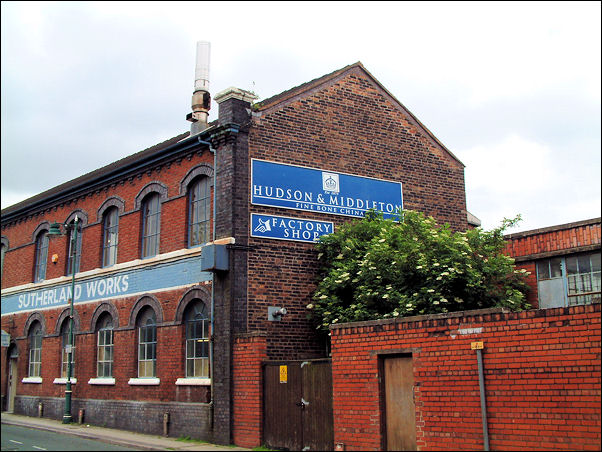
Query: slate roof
(95,175)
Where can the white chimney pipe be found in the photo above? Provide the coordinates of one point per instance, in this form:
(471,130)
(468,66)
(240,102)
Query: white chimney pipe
(201,73)
(201,100)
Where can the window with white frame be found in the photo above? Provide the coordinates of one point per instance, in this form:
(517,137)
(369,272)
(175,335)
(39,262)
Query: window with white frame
(199,211)
(110,237)
(147,343)
(197,340)
(66,346)
(41,256)
(568,280)
(151,225)
(104,347)
(78,249)
(35,350)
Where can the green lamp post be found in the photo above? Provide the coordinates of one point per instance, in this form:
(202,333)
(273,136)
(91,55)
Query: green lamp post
(55,229)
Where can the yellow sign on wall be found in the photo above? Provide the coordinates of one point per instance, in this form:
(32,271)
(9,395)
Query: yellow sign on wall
(283,374)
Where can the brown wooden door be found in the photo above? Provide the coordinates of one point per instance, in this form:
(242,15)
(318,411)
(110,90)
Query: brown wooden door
(298,407)
(400,412)
(318,423)
(282,419)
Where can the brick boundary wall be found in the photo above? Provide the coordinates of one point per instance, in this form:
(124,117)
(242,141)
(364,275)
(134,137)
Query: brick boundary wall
(250,350)
(541,370)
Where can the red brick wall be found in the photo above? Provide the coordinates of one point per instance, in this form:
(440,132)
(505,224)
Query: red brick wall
(526,247)
(19,260)
(248,353)
(542,379)
(346,124)
(170,355)
(18,270)
(567,238)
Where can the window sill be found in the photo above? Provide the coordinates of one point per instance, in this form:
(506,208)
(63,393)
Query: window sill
(144,381)
(36,380)
(101,381)
(63,381)
(193,382)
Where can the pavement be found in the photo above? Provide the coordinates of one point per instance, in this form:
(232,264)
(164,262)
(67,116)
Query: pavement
(113,436)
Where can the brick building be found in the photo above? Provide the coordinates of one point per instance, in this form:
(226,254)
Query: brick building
(192,248)
(563,262)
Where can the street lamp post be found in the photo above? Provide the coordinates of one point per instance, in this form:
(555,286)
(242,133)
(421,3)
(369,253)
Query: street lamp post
(55,229)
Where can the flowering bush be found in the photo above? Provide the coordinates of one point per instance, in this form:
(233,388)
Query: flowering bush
(377,268)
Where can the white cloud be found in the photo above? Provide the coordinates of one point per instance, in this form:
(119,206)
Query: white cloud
(513,165)
(511,88)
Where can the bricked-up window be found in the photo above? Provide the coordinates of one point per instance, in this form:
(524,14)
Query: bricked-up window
(65,350)
(197,340)
(199,211)
(78,248)
(147,343)
(151,221)
(104,348)
(41,256)
(110,237)
(35,350)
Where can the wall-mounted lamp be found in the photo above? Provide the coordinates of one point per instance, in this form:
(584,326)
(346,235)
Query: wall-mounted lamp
(275,314)
(55,258)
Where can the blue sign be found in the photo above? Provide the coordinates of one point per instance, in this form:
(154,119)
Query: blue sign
(126,283)
(286,228)
(309,189)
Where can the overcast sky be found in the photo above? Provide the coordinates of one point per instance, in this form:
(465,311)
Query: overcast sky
(512,89)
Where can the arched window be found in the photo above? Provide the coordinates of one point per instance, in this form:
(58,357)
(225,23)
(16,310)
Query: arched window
(71,245)
(110,237)
(147,343)
(104,347)
(197,339)
(41,256)
(151,222)
(34,339)
(67,345)
(199,211)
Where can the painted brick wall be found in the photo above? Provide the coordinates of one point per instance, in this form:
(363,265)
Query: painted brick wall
(541,368)
(248,354)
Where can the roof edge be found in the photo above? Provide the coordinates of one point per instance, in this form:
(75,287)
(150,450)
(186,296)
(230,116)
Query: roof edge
(559,227)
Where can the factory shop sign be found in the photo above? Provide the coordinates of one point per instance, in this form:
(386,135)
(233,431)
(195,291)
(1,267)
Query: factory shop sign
(309,189)
(286,228)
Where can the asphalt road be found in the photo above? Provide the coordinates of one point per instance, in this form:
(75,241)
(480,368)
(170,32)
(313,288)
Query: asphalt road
(23,438)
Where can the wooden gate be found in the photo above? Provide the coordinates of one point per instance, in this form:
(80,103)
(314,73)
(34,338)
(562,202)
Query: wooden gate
(298,405)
